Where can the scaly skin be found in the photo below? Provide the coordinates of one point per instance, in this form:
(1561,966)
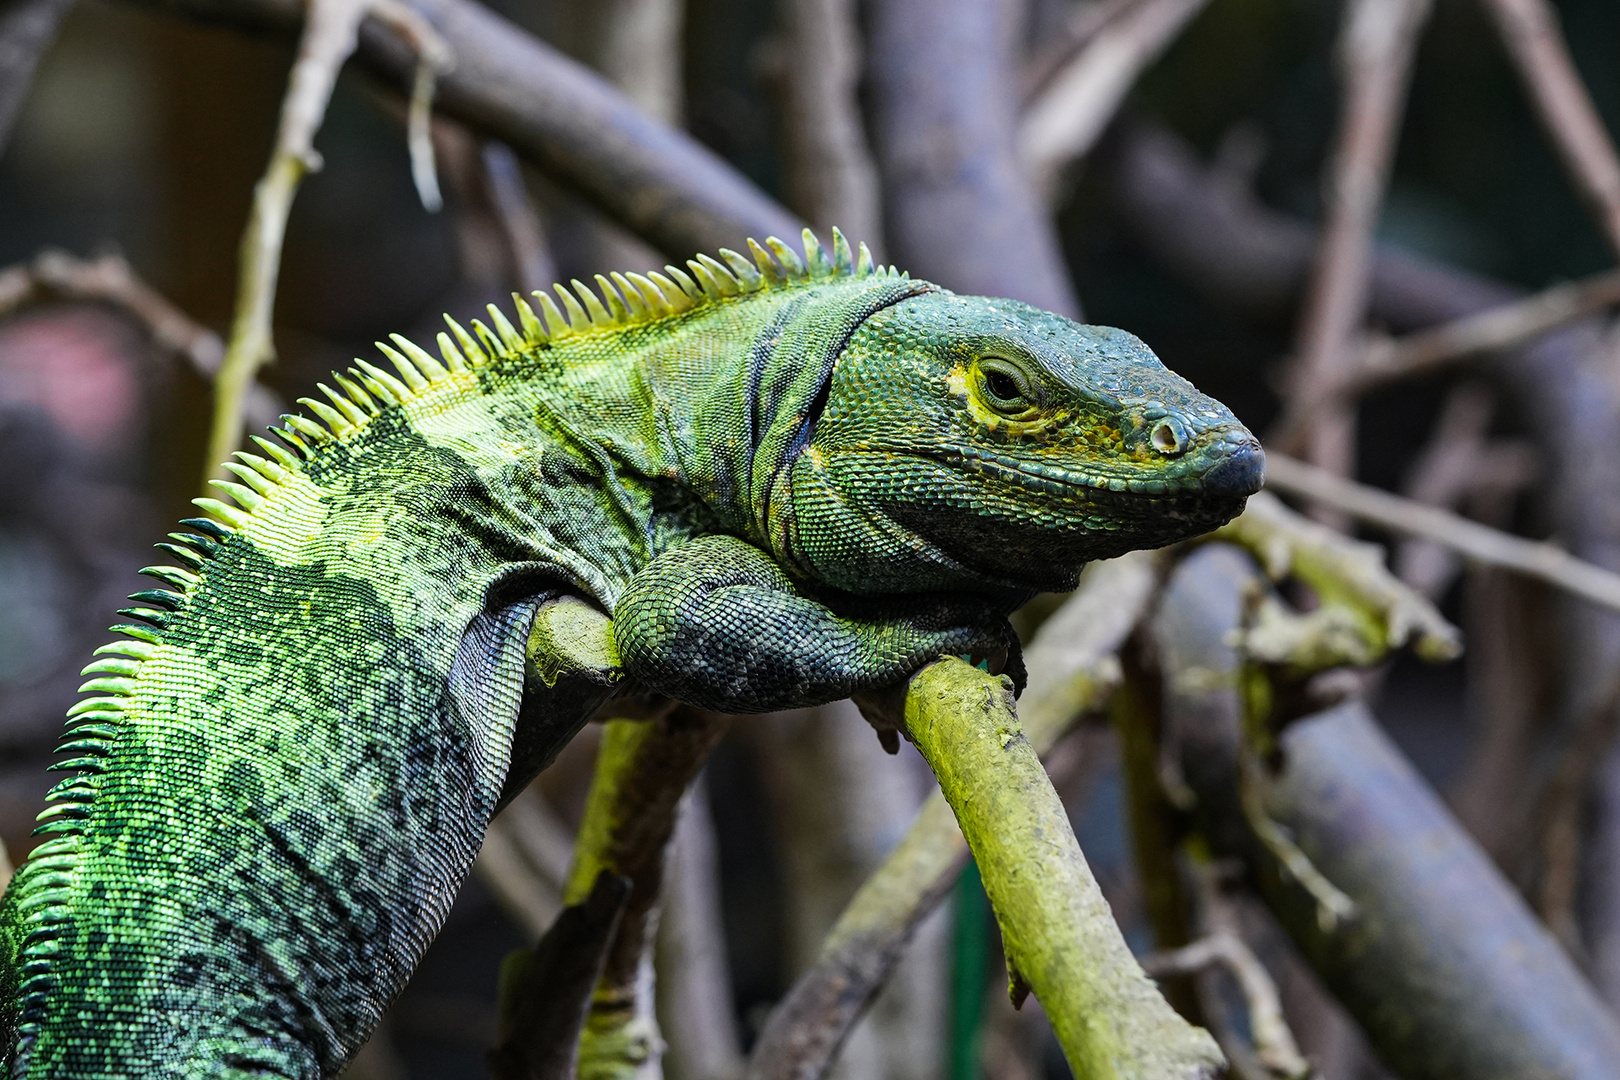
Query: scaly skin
(784,484)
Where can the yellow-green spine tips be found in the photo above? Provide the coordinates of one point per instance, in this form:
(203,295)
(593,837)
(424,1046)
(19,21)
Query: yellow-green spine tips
(599,315)
(577,319)
(475,355)
(532,329)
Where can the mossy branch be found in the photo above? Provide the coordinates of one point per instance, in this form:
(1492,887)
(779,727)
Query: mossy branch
(1059,934)
(1072,671)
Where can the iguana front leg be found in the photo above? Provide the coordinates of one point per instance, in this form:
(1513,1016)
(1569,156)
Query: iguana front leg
(717,624)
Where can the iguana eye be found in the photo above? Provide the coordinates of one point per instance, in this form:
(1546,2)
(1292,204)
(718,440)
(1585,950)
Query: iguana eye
(1005,388)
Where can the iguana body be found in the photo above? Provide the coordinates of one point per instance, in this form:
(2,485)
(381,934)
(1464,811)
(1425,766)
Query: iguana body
(785,484)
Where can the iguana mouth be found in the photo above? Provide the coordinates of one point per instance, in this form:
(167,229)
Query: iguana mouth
(1056,480)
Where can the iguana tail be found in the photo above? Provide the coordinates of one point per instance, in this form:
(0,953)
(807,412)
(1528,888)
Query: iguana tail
(285,766)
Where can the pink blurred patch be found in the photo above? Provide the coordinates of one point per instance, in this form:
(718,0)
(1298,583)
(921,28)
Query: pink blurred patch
(78,366)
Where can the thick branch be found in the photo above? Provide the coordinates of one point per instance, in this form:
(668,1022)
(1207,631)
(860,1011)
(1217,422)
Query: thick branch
(1073,671)
(958,206)
(658,182)
(1060,938)
(830,174)
(1444,967)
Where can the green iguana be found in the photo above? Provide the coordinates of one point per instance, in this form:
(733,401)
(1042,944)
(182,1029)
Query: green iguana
(786,481)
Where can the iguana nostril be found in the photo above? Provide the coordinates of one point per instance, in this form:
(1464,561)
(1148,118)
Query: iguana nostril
(1169,437)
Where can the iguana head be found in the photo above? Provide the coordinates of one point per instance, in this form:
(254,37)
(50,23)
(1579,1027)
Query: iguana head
(968,440)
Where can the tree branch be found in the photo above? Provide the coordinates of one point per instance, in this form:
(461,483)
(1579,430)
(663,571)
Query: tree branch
(1529,29)
(830,174)
(1062,122)
(1445,968)
(108,279)
(943,104)
(1072,671)
(660,183)
(1480,543)
(328,39)
(1375,55)
(642,770)
(1060,938)
(1384,361)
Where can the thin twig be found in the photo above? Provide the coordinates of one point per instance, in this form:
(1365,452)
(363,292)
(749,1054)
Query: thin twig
(1273,1042)
(433,58)
(1375,52)
(1053,55)
(1459,466)
(530,256)
(1529,29)
(1386,360)
(330,36)
(1062,122)
(1476,542)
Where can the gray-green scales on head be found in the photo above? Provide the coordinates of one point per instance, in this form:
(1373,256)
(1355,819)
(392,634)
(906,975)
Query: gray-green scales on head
(786,481)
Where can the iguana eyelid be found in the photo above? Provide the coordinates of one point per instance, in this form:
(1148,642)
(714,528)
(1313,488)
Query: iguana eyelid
(1028,388)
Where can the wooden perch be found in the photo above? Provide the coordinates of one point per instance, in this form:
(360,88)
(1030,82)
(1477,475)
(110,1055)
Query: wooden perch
(1072,671)
(1059,934)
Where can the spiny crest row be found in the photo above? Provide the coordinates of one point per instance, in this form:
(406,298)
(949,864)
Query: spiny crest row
(625,300)
(622,300)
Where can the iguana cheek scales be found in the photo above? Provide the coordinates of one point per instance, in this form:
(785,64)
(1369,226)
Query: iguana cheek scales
(762,469)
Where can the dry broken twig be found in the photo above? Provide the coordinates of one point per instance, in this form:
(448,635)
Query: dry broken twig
(1375,53)
(1063,121)
(1529,30)
(1478,543)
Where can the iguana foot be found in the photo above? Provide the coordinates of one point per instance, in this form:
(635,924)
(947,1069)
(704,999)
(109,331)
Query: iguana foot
(717,624)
